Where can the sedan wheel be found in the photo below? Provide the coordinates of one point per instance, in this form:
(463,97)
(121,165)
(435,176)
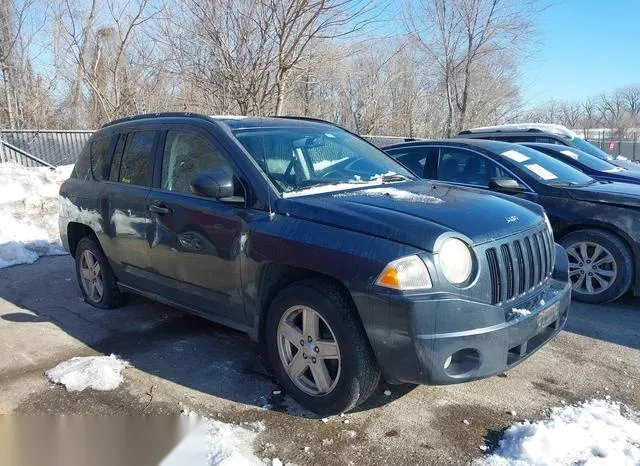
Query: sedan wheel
(592,267)
(308,350)
(600,265)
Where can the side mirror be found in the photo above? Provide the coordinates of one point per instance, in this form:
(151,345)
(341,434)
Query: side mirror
(215,183)
(506,185)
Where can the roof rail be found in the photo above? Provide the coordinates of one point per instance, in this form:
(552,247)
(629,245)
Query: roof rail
(156,115)
(305,118)
(522,127)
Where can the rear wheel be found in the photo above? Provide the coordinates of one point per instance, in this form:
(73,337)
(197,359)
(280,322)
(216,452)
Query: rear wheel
(95,277)
(318,349)
(600,265)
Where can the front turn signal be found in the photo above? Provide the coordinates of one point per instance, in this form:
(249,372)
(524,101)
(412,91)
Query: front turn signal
(406,273)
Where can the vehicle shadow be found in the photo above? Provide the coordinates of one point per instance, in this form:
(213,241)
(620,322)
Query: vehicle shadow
(617,322)
(154,338)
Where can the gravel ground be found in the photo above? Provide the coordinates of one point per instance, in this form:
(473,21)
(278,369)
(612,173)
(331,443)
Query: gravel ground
(183,362)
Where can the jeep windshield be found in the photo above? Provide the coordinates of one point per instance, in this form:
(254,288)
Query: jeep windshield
(303,160)
(545,168)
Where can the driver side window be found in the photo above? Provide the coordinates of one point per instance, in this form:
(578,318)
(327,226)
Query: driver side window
(466,167)
(185,155)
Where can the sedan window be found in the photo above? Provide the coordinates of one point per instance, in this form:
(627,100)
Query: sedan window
(414,158)
(466,167)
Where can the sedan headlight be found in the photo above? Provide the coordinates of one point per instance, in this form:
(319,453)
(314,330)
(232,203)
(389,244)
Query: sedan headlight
(406,273)
(455,261)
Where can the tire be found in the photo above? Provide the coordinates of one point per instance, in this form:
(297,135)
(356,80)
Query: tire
(613,263)
(352,377)
(110,296)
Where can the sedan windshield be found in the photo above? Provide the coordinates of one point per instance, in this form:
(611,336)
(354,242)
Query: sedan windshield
(306,159)
(589,148)
(546,169)
(589,160)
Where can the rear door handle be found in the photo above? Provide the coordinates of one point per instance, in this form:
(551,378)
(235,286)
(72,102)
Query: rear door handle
(159,209)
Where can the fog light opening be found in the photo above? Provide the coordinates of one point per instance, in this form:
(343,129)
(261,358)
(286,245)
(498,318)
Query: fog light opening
(462,363)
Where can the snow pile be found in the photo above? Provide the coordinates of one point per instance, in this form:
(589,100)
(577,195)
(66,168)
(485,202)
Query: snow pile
(29,212)
(402,195)
(231,445)
(216,443)
(520,312)
(591,433)
(96,372)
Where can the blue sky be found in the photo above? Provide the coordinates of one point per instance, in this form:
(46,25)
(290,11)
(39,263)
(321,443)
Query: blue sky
(586,47)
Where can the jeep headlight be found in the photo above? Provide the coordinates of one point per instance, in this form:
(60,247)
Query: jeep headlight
(455,261)
(406,273)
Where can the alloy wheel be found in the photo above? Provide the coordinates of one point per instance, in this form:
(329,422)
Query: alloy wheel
(592,267)
(309,350)
(91,276)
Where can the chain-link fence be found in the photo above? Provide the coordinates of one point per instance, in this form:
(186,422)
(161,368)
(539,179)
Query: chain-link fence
(629,148)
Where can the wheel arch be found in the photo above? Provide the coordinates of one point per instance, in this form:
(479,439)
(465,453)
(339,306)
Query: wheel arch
(275,277)
(75,232)
(626,239)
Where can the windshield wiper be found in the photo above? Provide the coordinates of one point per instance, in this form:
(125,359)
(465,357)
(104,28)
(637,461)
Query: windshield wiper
(394,177)
(572,184)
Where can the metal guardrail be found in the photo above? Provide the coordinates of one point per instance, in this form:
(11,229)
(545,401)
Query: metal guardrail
(11,153)
(42,147)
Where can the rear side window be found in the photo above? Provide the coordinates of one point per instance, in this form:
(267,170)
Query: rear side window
(83,164)
(99,153)
(135,167)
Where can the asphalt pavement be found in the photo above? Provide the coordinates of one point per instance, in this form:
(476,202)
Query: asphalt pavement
(180,362)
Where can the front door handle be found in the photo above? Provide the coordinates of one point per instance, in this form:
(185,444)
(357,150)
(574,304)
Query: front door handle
(159,209)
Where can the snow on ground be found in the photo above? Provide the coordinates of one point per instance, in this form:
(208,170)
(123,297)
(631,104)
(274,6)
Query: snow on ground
(594,433)
(29,213)
(97,372)
(216,443)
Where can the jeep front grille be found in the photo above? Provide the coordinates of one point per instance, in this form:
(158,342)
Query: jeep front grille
(519,265)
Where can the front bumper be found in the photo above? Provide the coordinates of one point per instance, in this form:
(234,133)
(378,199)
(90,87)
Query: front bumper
(439,338)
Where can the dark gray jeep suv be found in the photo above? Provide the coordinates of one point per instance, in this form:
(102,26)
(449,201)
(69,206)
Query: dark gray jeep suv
(317,244)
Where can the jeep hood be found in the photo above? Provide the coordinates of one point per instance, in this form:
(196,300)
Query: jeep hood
(624,194)
(416,212)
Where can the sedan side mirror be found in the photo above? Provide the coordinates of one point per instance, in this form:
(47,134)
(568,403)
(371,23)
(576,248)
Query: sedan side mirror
(214,183)
(506,185)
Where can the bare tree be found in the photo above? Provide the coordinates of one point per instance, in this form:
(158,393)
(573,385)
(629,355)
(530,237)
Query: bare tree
(611,110)
(19,23)
(631,97)
(460,34)
(225,55)
(100,49)
(570,114)
(299,23)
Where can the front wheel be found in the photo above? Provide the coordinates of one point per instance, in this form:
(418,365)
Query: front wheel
(317,348)
(600,265)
